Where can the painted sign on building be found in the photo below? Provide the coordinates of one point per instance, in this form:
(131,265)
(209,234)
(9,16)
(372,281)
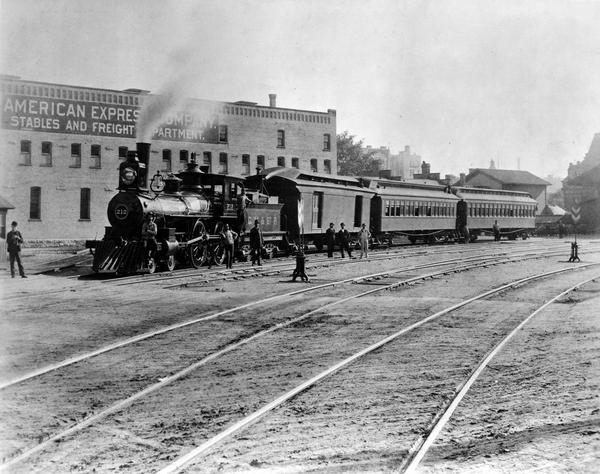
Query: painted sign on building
(58,115)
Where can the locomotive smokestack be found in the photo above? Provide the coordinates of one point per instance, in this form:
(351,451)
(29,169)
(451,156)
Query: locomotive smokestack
(143,152)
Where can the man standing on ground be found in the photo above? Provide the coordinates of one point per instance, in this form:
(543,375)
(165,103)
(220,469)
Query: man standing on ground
(14,239)
(256,243)
(330,240)
(344,237)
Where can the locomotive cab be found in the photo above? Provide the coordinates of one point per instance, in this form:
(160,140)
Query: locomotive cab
(133,171)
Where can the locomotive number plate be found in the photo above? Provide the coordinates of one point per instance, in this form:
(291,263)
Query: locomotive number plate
(121,212)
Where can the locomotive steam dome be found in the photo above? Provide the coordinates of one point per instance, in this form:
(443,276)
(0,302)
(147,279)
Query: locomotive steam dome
(191,177)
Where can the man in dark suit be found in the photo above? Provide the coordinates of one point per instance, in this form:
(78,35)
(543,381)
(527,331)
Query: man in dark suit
(256,243)
(330,240)
(14,239)
(344,237)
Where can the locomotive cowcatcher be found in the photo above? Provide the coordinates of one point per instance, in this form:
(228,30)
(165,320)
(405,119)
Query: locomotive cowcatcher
(190,209)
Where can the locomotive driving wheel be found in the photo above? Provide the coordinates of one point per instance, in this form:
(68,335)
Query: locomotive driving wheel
(198,251)
(169,263)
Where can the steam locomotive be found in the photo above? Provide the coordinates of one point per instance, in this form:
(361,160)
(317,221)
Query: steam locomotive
(190,209)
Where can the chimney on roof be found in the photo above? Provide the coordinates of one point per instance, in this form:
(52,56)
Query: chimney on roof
(463,179)
(492,165)
(272,100)
(407,149)
(425,168)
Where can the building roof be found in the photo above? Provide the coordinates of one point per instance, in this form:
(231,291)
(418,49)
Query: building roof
(553,211)
(509,176)
(4,204)
(589,178)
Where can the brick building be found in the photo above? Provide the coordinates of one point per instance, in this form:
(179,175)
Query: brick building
(61,145)
(512,180)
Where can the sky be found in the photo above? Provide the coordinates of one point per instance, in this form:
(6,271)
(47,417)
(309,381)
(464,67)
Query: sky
(462,82)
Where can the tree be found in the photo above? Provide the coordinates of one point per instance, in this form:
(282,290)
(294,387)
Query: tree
(352,159)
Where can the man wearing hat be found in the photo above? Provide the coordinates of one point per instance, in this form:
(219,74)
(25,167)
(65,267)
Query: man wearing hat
(256,243)
(149,231)
(14,239)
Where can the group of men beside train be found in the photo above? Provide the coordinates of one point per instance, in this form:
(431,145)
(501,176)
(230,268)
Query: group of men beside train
(342,238)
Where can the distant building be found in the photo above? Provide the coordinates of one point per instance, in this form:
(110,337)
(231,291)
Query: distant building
(402,165)
(581,188)
(61,146)
(512,180)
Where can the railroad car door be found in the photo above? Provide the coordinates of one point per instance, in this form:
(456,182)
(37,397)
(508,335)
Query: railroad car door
(317,210)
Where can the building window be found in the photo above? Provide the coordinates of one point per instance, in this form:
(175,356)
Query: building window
(3,225)
(26,152)
(96,158)
(35,203)
(313,165)
(166,160)
(183,157)
(46,154)
(207,160)
(327,166)
(223,163)
(245,164)
(280,139)
(281,161)
(123,153)
(260,162)
(295,163)
(75,155)
(326,142)
(84,204)
(222,133)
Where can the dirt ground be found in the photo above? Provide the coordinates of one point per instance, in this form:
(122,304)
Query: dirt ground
(535,409)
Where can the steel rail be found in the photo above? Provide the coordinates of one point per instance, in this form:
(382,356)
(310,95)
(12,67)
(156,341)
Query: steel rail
(188,458)
(147,335)
(418,452)
(182,373)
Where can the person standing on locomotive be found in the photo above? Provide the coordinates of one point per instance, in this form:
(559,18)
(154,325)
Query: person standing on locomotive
(344,237)
(363,237)
(256,243)
(149,232)
(243,201)
(330,240)
(228,237)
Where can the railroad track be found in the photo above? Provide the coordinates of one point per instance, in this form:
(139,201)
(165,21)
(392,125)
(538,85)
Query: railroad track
(231,347)
(439,419)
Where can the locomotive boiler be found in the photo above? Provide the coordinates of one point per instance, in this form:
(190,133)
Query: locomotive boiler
(190,210)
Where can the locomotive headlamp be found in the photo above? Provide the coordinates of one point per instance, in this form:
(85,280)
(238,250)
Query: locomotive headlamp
(128,175)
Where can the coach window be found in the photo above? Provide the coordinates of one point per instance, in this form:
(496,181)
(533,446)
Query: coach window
(46,154)
(76,155)
(386,208)
(245,164)
(96,157)
(123,153)
(402,208)
(35,203)
(326,142)
(327,166)
(207,160)
(313,165)
(295,163)
(166,161)
(280,139)
(428,211)
(417,206)
(183,157)
(358,208)
(392,208)
(223,163)
(317,210)
(223,134)
(398,208)
(26,152)
(280,161)
(84,204)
